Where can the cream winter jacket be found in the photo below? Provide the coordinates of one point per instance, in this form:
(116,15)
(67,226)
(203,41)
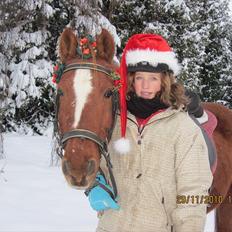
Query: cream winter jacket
(168,162)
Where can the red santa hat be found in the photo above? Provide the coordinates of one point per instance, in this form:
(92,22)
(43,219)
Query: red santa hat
(143,52)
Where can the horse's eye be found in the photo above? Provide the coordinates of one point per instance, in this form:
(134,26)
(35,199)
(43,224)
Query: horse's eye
(108,93)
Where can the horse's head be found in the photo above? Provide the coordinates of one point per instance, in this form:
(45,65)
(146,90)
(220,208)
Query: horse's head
(85,109)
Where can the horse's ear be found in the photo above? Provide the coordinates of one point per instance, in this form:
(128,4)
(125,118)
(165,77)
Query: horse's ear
(67,45)
(105,46)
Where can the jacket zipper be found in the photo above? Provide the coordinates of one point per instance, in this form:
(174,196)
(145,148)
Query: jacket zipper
(142,127)
(140,130)
(162,201)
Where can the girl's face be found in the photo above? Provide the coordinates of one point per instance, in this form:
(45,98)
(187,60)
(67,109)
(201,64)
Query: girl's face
(147,84)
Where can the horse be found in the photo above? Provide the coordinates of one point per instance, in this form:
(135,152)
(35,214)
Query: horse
(86,113)
(87,104)
(222,179)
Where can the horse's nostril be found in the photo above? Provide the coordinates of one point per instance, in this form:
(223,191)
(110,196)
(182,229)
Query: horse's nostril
(73,181)
(90,167)
(83,182)
(65,167)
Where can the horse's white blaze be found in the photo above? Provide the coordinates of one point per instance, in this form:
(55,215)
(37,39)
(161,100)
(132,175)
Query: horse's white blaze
(82,88)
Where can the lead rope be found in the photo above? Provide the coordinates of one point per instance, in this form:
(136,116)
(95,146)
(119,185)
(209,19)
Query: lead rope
(110,166)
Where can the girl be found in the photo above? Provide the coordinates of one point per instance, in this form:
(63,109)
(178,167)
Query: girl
(165,171)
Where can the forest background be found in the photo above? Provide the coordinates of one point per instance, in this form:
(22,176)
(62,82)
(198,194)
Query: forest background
(200,31)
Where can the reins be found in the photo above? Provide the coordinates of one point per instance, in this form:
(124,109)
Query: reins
(87,134)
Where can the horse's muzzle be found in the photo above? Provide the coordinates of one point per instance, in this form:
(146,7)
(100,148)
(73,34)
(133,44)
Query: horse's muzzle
(79,178)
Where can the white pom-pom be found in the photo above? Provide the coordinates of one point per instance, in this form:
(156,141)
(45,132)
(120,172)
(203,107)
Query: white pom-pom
(122,145)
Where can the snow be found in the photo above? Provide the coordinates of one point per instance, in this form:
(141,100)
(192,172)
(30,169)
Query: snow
(35,196)
(230,6)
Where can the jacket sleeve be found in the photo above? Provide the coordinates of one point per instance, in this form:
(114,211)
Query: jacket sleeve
(193,179)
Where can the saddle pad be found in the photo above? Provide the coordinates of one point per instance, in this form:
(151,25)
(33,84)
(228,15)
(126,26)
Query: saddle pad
(209,128)
(210,125)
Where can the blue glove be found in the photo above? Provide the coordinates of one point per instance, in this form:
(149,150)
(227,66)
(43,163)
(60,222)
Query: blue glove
(99,198)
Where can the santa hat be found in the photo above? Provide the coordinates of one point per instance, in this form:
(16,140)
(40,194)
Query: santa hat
(143,52)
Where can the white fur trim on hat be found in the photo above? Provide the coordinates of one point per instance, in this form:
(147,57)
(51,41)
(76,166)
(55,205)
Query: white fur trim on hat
(153,58)
(122,145)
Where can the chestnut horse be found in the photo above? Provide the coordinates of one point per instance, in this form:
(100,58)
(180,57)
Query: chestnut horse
(222,181)
(85,106)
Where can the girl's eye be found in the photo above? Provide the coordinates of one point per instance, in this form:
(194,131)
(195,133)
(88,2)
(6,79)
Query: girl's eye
(138,78)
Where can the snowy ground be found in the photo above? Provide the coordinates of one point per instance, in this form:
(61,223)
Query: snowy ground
(35,197)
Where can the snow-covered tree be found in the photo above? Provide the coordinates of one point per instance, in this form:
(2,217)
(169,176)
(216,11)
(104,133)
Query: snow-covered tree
(25,65)
(212,27)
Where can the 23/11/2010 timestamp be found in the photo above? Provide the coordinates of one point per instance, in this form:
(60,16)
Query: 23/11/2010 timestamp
(201,199)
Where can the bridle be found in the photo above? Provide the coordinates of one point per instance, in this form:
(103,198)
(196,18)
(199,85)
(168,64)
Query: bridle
(87,134)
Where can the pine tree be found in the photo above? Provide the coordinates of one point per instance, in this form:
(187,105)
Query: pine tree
(26,67)
(209,65)
(216,72)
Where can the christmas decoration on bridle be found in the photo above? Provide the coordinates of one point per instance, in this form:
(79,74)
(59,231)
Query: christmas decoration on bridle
(87,47)
(58,70)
